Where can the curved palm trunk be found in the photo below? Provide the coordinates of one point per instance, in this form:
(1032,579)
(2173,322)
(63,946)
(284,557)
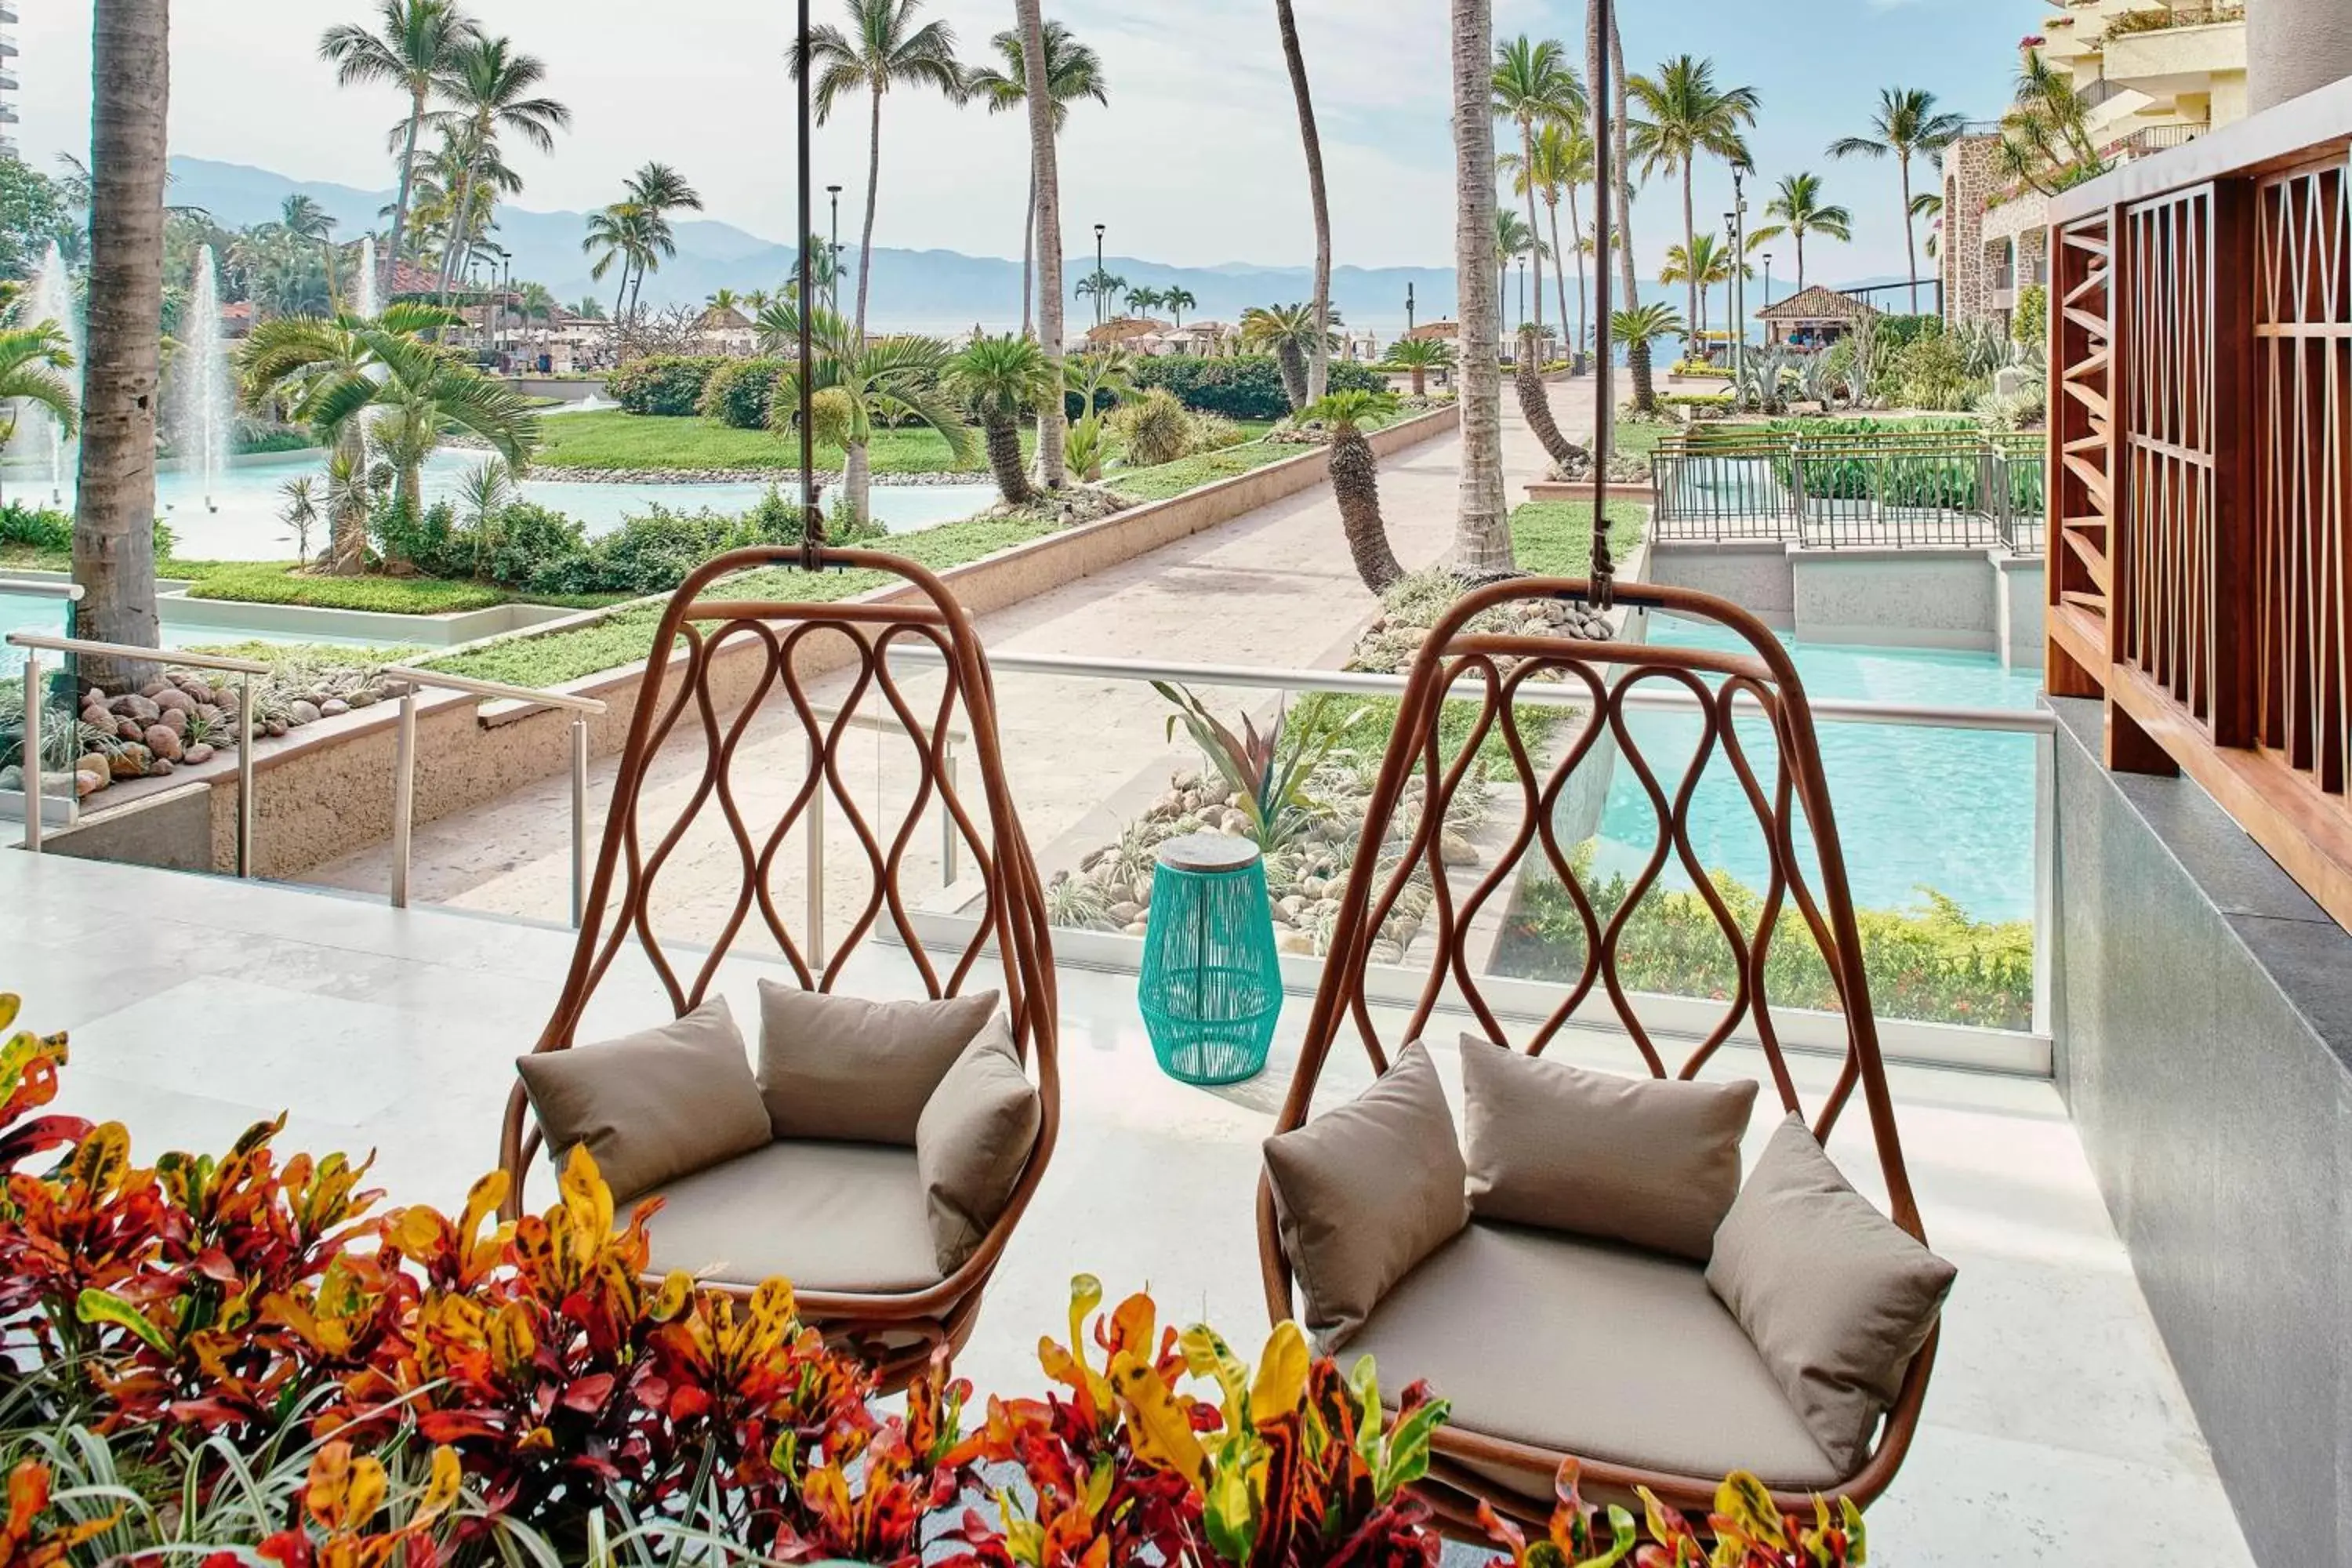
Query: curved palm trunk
(1576,243)
(1535,407)
(1356,485)
(1046,228)
(1296,386)
(1481,525)
(865,241)
(1318,367)
(1004,459)
(114,517)
(407,189)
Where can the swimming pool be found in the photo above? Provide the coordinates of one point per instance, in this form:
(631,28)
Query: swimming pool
(246,526)
(1949,810)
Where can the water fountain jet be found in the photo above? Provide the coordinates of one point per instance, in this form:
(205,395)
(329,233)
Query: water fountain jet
(207,411)
(53,301)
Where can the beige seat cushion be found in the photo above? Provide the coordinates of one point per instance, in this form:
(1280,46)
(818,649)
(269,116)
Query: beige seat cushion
(841,1068)
(826,1216)
(1366,1191)
(1594,1350)
(1837,1297)
(652,1106)
(1653,1161)
(972,1142)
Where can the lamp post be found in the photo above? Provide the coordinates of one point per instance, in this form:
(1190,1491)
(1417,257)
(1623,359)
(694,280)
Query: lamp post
(833,254)
(1098,275)
(1408,310)
(1768,280)
(1738,267)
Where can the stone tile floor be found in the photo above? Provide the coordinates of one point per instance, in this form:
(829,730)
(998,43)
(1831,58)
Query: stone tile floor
(2055,1433)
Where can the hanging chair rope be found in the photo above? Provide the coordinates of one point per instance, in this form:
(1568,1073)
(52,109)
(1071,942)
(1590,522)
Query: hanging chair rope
(812,516)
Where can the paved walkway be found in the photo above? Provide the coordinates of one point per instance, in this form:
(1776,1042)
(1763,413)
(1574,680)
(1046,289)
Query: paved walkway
(1273,587)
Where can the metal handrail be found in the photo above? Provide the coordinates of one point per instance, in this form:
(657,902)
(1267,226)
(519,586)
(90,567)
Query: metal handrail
(404,782)
(39,588)
(35,644)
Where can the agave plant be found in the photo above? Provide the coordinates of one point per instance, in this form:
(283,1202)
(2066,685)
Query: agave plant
(1270,770)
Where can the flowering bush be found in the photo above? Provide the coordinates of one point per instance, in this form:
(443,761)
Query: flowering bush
(244,1359)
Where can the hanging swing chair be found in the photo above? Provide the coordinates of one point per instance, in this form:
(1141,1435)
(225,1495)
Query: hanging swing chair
(1552,1344)
(885,1151)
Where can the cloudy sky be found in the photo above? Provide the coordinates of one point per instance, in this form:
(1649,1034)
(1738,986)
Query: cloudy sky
(1194,163)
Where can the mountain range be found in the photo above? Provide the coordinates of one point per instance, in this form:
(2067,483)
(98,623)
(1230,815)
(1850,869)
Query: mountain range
(926,289)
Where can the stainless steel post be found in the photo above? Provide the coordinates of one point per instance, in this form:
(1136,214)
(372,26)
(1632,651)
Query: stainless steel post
(31,767)
(815,874)
(947,817)
(404,795)
(579,819)
(245,776)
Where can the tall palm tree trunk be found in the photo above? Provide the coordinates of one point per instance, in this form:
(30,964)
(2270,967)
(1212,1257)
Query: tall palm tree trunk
(866,239)
(1535,245)
(1029,254)
(459,215)
(1046,228)
(1910,235)
(1482,525)
(1622,162)
(1583,288)
(114,517)
(1800,261)
(1690,257)
(857,479)
(1318,364)
(391,261)
(1559,269)
(620,294)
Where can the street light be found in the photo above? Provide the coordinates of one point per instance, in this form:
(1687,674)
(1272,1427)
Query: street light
(1098,275)
(1408,310)
(1768,280)
(833,254)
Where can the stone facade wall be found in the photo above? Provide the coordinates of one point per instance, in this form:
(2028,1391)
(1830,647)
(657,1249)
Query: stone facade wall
(1968,179)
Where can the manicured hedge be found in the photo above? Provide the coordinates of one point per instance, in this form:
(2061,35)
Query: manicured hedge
(1242,386)
(740,392)
(663,384)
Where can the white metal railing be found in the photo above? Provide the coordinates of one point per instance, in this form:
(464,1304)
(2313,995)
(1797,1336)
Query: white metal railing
(35,644)
(404,786)
(39,588)
(2039,723)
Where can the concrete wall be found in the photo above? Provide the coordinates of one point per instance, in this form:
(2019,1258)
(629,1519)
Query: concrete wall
(2294,46)
(2204,1023)
(327,788)
(1977,599)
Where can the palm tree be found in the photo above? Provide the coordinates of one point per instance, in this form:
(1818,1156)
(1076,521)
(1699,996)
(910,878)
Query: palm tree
(1907,124)
(1002,381)
(1620,159)
(30,358)
(1559,160)
(895,379)
(114,520)
(655,191)
(1929,205)
(882,49)
(590,309)
(1142,301)
(1073,71)
(721,299)
(1513,239)
(1178,300)
(1318,364)
(1798,210)
(537,303)
(1536,85)
(1685,116)
(1708,266)
(1045,173)
(614,234)
(1417,357)
(1482,525)
(303,218)
(1637,329)
(1356,480)
(300,513)
(1287,332)
(415,48)
(492,88)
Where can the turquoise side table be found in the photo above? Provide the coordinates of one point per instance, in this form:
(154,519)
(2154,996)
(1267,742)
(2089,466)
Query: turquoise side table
(1212,986)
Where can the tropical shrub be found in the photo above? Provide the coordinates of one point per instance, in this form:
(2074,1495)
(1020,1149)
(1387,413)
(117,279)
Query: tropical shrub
(1744,1530)
(740,392)
(1241,387)
(655,551)
(1155,428)
(37,528)
(663,384)
(1930,963)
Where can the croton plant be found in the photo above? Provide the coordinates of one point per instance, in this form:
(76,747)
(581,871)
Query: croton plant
(248,1358)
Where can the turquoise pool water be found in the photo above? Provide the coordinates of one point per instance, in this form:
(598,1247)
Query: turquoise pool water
(1947,809)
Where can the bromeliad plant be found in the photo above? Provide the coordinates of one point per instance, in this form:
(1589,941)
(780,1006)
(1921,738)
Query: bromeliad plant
(1270,770)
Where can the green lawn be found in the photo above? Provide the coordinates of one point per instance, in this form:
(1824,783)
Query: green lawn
(612,439)
(276,583)
(626,636)
(1191,473)
(1554,537)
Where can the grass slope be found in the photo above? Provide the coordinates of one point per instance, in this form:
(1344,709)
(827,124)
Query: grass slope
(612,439)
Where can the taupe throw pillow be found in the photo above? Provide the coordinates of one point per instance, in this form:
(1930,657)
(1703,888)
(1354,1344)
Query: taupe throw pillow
(1835,1296)
(861,1072)
(1364,1192)
(972,1142)
(1653,1161)
(652,1106)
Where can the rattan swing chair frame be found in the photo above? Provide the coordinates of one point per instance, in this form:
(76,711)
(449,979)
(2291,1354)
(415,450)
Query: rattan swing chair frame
(1491,669)
(898,1333)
